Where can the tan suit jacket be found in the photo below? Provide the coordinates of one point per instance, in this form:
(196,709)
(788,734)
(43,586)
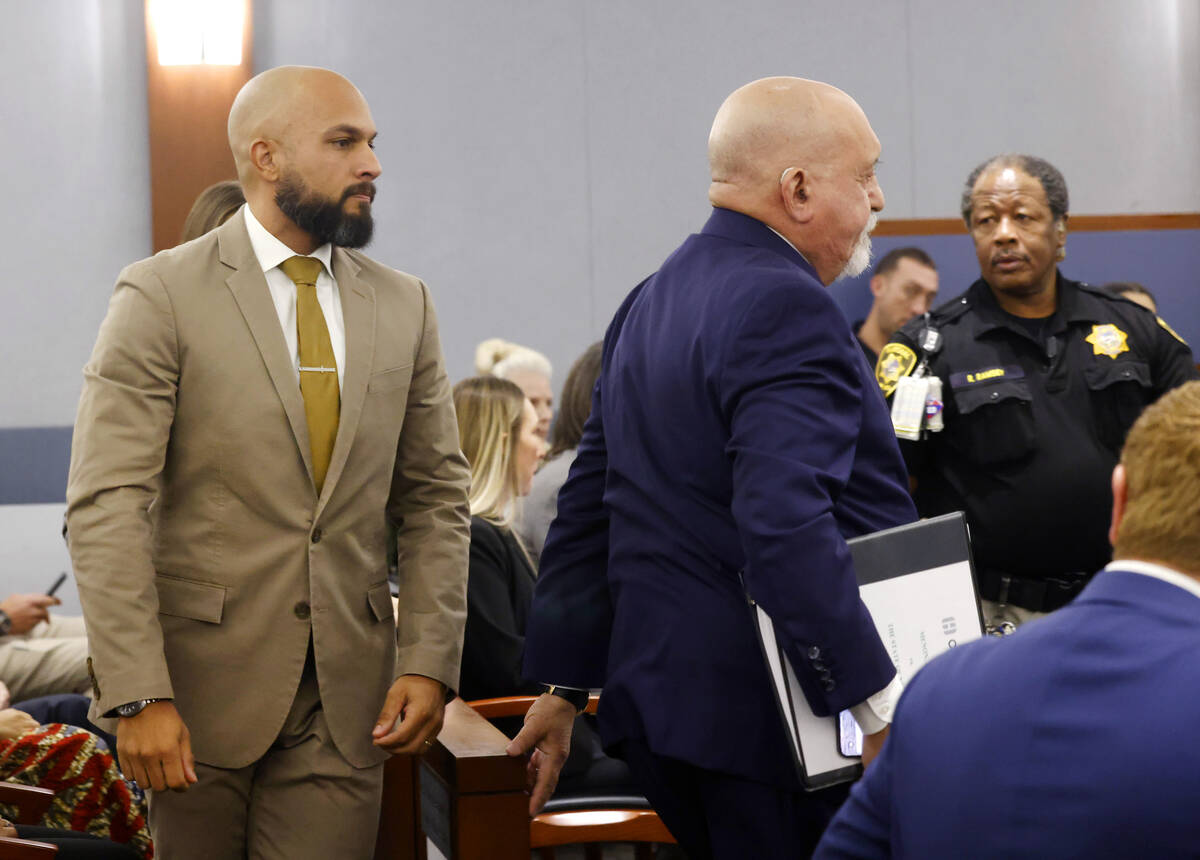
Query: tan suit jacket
(204,556)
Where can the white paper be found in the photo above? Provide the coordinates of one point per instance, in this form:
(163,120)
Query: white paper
(918,615)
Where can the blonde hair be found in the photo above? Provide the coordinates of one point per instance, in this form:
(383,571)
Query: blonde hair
(497,357)
(489,424)
(215,205)
(1162,470)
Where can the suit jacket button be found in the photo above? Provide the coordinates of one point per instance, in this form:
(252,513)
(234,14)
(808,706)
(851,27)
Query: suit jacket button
(316,535)
(814,652)
(303,610)
(818,665)
(829,685)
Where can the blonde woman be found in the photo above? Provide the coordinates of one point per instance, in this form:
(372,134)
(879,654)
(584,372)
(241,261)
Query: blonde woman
(528,368)
(497,426)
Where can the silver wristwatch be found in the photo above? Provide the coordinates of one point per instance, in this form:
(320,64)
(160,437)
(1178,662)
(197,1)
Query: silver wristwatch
(132,709)
(5,623)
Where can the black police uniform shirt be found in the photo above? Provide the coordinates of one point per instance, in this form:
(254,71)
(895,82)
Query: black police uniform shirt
(872,355)
(1035,415)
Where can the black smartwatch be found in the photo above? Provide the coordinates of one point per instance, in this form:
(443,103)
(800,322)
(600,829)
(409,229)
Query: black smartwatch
(578,698)
(132,709)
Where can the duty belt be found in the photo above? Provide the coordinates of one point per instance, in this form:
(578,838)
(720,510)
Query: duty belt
(1038,595)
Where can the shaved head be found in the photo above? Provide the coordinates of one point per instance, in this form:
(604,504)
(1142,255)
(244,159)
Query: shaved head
(303,140)
(276,103)
(775,123)
(799,156)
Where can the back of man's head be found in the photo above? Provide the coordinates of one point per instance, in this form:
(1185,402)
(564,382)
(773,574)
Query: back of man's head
(1134,292)
(1161,521)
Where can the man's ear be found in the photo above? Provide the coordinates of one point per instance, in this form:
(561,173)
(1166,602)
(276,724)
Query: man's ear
(795,190)
(1120,490)
(1060,238)
(263,155)
(876,283)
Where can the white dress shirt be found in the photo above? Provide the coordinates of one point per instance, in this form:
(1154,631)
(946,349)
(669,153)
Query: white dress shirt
(270,253)
(1157,571)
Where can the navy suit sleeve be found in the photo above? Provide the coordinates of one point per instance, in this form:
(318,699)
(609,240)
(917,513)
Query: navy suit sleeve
(877,816)
(792,391)
(862,828)
(570,625)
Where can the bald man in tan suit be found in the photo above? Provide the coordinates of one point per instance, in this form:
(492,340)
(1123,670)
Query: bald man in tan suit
(231,497)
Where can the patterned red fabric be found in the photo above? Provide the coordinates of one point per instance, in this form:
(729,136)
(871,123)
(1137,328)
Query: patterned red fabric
(90,795)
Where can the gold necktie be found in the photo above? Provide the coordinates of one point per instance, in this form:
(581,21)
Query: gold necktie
(318,367)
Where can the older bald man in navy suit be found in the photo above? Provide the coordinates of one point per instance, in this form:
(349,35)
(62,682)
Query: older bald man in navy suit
(1074,736)
(736,432)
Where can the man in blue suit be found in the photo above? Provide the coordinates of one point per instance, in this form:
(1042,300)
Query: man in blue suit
(1073,737)
(736,433)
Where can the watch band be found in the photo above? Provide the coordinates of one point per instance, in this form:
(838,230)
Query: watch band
(132,709)
(578,698)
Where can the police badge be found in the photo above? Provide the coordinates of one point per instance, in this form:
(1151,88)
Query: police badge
(1108,340)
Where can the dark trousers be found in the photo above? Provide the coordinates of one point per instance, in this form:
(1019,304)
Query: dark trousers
(717,816)
(77,846)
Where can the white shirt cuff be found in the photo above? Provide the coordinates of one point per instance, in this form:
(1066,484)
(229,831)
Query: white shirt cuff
(875,714)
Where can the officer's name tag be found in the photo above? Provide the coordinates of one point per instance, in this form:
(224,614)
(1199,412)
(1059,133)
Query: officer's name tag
(986,374)
(908,407)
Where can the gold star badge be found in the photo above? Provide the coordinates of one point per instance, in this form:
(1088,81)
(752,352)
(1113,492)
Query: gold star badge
(1108,340)
(895,361)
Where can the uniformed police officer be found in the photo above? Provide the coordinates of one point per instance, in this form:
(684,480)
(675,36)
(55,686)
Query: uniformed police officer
(1034,380)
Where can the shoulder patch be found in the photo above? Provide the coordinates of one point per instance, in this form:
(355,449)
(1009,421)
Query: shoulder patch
(895,361)
(1162,322)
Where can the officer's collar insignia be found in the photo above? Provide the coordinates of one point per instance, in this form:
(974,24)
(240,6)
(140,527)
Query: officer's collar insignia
(896,361)
(1108,340)
(1162,322)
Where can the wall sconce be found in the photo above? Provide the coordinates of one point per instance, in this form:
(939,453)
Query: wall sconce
(196,32)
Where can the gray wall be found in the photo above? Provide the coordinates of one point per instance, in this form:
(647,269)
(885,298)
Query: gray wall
(76,180)
(541,156)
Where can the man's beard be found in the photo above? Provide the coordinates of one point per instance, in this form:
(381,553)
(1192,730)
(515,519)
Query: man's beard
(323,218)
(860,257)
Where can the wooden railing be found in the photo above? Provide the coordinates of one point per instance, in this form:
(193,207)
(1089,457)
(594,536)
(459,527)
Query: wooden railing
(464,799)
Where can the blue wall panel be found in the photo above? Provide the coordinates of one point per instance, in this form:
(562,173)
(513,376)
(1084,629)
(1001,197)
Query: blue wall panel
(33,464)
(1166,261)
(34,460)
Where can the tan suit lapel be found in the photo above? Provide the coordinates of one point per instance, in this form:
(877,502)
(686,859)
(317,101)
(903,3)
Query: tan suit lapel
(253,297)
(358,313)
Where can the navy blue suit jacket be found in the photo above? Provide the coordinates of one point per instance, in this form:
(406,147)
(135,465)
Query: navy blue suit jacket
(735,427)
(1075,737)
